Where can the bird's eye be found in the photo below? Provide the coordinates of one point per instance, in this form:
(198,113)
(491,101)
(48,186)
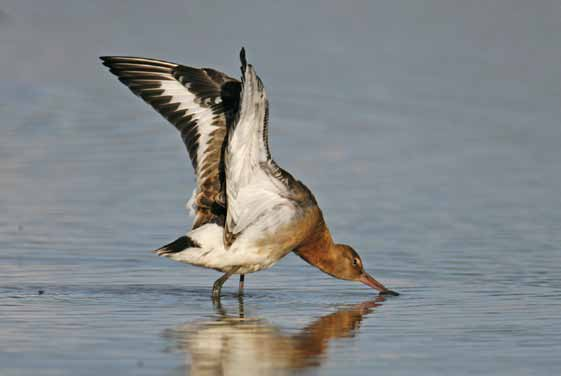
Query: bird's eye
(355,262)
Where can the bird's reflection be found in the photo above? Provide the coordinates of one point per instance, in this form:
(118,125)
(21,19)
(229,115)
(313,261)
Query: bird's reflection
(239,345)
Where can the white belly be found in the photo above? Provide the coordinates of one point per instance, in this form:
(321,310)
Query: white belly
(249,253)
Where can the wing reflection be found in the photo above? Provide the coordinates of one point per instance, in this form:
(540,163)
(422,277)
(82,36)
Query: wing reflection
(239,345)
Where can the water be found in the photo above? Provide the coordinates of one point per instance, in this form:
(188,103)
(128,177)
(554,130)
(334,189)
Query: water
(429,132)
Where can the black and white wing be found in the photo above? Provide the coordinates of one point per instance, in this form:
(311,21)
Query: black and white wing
(201,104)
(255,183)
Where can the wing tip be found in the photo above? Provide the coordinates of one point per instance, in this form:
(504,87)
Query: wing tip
(136,60)
(106,60)
(243,59)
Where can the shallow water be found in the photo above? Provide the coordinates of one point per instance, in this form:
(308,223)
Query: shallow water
(429,133)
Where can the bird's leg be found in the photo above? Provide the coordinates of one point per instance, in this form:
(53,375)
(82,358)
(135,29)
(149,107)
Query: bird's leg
(242,279)
(217,304)
(241,307)
(218,285)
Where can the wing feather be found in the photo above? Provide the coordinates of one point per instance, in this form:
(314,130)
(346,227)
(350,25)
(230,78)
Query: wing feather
(201,104)
(256,185)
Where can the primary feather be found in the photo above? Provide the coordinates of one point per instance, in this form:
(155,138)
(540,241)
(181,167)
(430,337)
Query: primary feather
(201,104)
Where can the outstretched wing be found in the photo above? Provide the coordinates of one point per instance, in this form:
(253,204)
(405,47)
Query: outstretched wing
(201,104)
(257,188)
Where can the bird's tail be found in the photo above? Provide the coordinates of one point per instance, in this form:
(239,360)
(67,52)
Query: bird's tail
(202,247)
(179,245)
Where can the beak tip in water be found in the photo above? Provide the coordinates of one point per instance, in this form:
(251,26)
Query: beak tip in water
(368,280)
(389,293)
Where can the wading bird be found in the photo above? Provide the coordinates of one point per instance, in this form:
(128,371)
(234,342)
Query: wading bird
(234,344)
(249,212)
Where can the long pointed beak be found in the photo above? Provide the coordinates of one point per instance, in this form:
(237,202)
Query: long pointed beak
(368,280)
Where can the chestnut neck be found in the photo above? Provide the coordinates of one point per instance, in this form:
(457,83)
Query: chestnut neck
(319,249)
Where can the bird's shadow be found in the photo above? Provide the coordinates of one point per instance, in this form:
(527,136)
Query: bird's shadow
(249,344)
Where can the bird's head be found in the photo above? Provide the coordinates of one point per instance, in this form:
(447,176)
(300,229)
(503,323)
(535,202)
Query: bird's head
(348,265)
